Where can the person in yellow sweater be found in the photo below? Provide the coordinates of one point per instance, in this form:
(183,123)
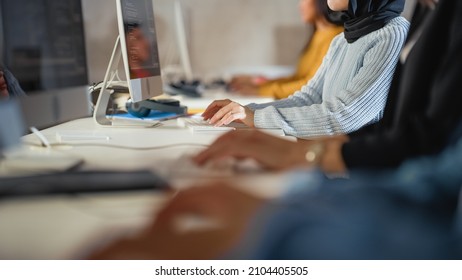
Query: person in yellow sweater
(316,13)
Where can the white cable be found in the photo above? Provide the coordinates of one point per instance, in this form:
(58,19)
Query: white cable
(40,136)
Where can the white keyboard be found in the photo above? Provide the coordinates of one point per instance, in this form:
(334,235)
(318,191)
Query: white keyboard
(197,124)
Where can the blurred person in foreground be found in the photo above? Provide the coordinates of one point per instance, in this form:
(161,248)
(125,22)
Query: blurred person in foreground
(409,213)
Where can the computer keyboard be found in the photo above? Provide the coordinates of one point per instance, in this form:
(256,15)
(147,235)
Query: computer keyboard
(197,124)
(76,182)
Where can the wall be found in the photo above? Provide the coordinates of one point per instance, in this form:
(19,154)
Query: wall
(225,33)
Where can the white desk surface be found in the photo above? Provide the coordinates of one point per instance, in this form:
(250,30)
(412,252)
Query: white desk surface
(64,227)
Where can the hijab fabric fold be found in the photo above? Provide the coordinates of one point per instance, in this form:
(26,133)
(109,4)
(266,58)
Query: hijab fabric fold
(366,16)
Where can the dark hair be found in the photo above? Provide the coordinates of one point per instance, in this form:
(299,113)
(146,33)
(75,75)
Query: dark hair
(331,16)
(129,26)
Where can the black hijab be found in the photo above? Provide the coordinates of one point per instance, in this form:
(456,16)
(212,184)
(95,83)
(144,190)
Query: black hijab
(366,16)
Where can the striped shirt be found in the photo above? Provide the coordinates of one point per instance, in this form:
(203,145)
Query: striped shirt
(348,91)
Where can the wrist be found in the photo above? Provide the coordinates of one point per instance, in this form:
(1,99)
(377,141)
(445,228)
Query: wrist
(315,153)
(249,117)
(326,155)
(332,161)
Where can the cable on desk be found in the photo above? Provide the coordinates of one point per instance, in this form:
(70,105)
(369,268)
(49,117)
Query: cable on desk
(53,145)
(40,136)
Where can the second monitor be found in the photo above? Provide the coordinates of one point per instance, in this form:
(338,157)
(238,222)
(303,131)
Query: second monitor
(137,45)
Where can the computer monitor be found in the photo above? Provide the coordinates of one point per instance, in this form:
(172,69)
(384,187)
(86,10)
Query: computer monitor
(138,39)
(43,45)
(137,45)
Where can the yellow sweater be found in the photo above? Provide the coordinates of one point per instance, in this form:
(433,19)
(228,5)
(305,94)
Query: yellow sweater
(307,66)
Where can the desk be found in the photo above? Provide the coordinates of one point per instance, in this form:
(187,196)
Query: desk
(65,227)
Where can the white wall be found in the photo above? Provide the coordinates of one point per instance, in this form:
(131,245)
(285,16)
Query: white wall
(225,33)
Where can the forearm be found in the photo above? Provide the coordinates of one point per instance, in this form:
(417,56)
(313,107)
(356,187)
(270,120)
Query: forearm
(378,150)
(417,136)
(283,103)
(328,118)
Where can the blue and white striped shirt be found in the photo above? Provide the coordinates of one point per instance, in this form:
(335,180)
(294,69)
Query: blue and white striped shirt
(349,90)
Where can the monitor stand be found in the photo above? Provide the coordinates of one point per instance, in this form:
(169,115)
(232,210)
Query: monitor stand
(99,114)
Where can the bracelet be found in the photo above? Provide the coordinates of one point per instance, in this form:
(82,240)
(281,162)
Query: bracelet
(315,152)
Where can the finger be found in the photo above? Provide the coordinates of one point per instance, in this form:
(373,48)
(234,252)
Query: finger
(232,108)
(223,150)
(213,152)
(214,107)
(210,110)
(227,119)
(210,113)
(229,138)
(242,144)
(233,116)
(220,114)
(207,202)
(224,140)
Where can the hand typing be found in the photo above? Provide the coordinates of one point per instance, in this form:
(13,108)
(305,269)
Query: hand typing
(223,112)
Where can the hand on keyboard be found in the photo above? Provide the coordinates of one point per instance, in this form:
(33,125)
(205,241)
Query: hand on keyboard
(198,124)
(185,167)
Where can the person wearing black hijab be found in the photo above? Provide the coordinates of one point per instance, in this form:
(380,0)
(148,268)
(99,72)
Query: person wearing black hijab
(350,88)
(364,17)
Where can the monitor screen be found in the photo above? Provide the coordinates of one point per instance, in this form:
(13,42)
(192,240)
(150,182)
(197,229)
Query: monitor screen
(138,41)
(43,45)
(140,38)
